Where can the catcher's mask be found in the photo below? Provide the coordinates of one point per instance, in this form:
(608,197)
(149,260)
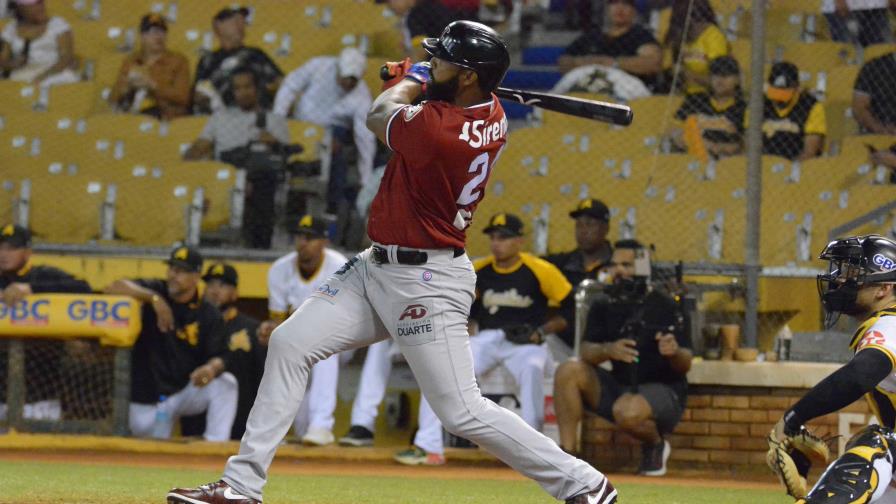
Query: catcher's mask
(853,263)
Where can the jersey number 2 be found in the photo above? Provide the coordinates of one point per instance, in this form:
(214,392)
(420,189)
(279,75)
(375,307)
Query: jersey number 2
(472,192)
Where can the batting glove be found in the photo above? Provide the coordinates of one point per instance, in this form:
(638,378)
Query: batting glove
(420,72)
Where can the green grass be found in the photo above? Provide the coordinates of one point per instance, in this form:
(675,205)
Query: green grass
(45,482)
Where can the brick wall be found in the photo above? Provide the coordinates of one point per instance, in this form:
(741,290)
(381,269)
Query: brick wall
(723,429)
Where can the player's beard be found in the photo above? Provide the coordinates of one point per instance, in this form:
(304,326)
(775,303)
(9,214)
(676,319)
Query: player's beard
(443,91)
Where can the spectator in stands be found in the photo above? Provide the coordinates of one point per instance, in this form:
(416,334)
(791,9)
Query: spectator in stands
(643,333)
(421,19)
(330,92)
(245,353)
(153,80)
(177,364)
(234,135)
(212,89)
(871,18)
(593,251)
(625,45)
(20,278)
(38,48)
(793,124)
(712,124)
(874,96)
(702,43)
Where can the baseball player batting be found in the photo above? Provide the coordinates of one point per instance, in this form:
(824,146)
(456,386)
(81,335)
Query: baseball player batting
(415,282)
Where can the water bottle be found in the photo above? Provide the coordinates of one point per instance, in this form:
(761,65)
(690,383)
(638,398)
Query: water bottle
(161,426)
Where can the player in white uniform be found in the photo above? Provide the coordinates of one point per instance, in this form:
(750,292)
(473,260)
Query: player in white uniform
(861,283)
(292,279)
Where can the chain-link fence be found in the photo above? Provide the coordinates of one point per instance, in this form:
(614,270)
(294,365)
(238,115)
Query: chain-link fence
(142,123)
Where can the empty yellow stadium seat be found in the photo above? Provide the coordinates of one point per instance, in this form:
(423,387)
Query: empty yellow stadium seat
(818,56)
(216,180)
(65,208)
(839,82)
(877,50)
(311,136)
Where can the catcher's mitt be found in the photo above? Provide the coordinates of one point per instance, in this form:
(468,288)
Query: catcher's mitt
(791,457)
(523,334)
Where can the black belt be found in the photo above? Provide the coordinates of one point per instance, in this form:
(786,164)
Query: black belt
(405,256)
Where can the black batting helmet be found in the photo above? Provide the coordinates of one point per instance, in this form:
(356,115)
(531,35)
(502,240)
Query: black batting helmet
(474,46)
(854,262)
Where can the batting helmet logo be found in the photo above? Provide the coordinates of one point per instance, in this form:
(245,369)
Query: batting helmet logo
(413,312)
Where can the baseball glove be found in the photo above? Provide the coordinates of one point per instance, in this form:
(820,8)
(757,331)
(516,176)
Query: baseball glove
(523,334)
(791,457)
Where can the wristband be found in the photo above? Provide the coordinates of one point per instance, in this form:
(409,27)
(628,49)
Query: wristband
(420,72)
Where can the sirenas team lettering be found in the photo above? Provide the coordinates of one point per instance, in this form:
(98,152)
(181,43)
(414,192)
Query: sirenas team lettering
(480,133)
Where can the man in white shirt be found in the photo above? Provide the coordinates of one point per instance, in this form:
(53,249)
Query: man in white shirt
(292,279)
(330,91)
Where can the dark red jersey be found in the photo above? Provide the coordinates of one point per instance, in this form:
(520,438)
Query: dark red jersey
(442,158)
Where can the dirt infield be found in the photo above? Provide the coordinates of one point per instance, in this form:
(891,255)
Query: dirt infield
(337,468)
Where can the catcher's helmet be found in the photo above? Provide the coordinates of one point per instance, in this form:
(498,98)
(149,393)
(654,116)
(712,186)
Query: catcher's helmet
(474,46)
(854,262)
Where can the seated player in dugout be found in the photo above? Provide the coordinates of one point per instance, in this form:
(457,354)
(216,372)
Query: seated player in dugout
(592,252)
(245,354)
(793,122)
(518,297)
(859,283)
(711,124)
(177,365)
(644,334)
(19,278)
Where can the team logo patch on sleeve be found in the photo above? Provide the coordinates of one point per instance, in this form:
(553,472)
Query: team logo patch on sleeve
(410,112)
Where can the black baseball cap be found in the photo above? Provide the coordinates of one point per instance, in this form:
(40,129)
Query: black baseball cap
(724,65)
(15,235)
(152,21)
(228,12)
(593,208)
(223,272)
(312,226)
(187,258)
(505,224)
(784,74)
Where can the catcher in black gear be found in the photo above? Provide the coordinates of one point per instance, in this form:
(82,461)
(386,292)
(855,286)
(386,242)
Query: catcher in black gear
(859,283)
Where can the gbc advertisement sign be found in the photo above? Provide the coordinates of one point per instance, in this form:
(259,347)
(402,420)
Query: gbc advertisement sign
(114,320)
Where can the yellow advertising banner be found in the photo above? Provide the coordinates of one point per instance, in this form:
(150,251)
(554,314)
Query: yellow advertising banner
(113,320)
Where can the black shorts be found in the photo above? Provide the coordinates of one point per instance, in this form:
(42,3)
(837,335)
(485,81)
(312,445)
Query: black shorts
(663,400)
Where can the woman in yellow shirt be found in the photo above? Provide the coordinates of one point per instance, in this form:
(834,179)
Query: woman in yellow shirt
(702,43)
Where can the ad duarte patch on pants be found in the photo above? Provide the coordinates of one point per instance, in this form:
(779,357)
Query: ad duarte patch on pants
(415,324)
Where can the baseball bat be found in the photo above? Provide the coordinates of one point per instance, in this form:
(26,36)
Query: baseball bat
(612,113)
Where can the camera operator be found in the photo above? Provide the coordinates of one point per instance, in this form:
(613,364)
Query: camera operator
(251,138)
(643,333)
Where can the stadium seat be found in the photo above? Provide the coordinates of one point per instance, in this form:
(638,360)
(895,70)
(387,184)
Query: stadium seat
(311,136)
(151,211)
(839,81)
(841,123)
(817,56)
(856,145)
(216,180)
(877,50)
(17,98)
(73,100)
(64,207)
